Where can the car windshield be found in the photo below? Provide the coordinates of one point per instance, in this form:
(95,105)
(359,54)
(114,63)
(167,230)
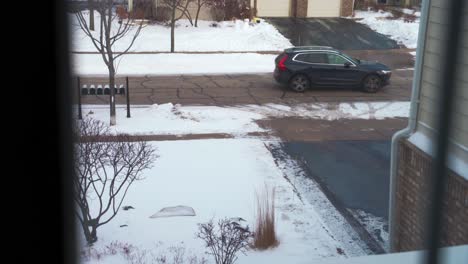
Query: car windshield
(356,61)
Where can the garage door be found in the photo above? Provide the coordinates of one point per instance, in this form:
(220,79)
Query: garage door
(323,8)
(276,8)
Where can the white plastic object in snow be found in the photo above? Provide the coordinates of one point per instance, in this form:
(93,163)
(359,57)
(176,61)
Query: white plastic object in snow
(179,210)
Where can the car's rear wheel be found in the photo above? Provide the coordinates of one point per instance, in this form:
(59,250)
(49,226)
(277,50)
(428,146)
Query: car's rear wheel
(372,84)
(299,83)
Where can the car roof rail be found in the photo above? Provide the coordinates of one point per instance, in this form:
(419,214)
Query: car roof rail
(311,48)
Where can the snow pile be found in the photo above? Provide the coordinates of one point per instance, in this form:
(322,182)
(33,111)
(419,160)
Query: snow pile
(236,120)
(169,64)
(180,210)
(404,33)
(226,36)
(375,225)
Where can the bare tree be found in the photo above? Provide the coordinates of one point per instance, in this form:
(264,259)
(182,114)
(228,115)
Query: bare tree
(106,37)
(181,5)
(225,241)
(105,170)
(200,4)
(91,14)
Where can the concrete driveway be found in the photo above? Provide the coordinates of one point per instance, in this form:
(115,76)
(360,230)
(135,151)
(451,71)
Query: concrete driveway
(340,33)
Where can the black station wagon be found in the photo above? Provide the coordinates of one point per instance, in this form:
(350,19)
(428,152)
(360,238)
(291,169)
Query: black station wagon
(304,67)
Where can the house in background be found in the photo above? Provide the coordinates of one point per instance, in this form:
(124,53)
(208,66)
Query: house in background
(303,8)
(413,148)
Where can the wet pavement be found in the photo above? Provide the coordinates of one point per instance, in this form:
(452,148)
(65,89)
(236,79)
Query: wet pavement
(339,33)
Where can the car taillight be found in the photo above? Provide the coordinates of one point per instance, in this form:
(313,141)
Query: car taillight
(281,65)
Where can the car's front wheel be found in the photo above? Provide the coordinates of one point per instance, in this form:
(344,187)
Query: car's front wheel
(372,84)
(299,83)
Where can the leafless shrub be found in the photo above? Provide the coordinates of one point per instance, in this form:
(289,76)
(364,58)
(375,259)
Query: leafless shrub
(396,14)
(163,14)
(89,253)
(196,260)
(265,233)
(225,241)
(217,14)
(409,18)
(138,256)
(178,255)
(229,9)
(105,171)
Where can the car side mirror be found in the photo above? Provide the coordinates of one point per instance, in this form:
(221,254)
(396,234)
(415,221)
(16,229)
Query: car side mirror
(347,64)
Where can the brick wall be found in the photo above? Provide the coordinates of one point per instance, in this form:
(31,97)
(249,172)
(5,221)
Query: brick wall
(346,8)
(411,202)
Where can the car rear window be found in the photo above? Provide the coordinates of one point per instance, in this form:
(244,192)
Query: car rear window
(312,58)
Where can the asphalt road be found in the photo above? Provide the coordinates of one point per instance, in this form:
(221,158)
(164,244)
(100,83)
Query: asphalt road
(356,172)
(349,159)
(340,33)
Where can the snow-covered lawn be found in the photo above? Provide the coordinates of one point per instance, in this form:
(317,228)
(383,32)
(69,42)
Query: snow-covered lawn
(404,33)
(236,120)
(168,64)
(227,36)
(218,178)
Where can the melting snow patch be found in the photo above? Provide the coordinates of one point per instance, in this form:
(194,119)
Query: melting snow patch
(376,226)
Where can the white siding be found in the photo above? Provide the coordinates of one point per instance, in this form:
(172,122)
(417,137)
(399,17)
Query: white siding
(430,87)
(323,8)
(273,8)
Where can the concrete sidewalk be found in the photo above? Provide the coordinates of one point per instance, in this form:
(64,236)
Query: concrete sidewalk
(237,89)
(230,89)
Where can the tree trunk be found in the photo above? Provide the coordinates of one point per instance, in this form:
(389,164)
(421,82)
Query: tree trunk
(255,8)
(91,15)
(90,231)
(172,28)
(113,120)
(196,16)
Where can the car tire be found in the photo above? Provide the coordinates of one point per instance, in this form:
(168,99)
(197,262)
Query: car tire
(299,83)
(371,84)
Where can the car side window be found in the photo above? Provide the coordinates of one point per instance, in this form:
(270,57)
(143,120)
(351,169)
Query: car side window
(312,58)
(335,59)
